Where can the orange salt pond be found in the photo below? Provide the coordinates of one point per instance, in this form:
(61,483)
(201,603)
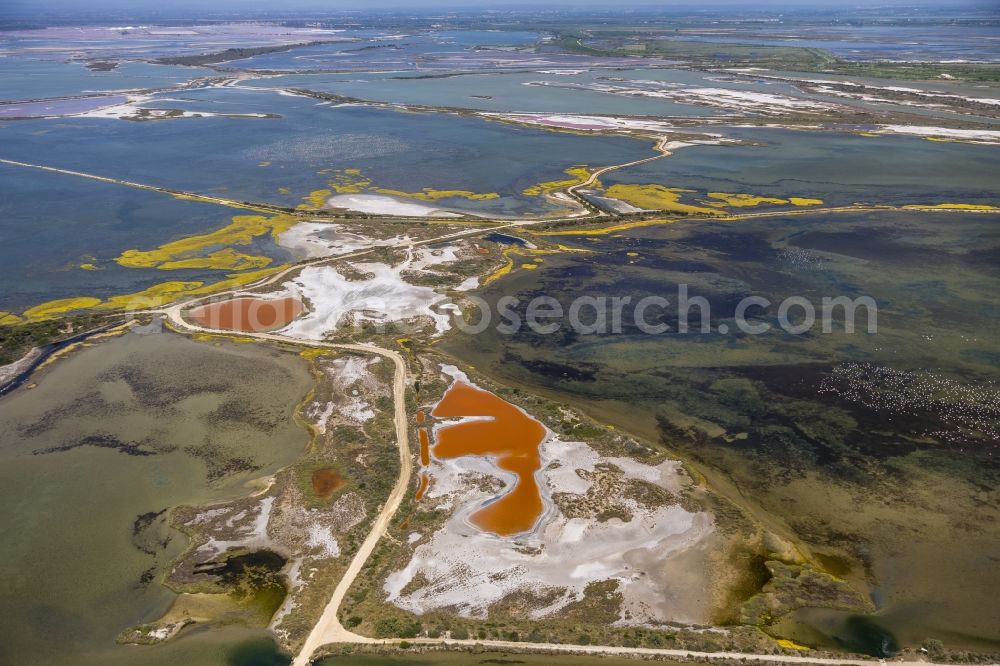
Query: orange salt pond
(421,488)
(248,314)
(425,457)
(511,437)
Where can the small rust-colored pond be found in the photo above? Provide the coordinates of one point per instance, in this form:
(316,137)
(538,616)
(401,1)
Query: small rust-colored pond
(326,482)
(248,314)
(425,455)
(511,437)
(421,487)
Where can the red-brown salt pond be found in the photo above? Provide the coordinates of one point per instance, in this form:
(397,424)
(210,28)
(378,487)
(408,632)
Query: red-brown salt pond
(425,456)
(511,437)
(422,488)
(248,314)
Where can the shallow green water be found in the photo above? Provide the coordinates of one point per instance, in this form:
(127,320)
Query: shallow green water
(223,646)
(30,78)
(132,426)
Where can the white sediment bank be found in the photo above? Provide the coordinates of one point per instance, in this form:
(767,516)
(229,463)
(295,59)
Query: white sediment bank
(382,205)
(985,136)
(768,104)
(380,294)
(584,123)
(133,109)
(653,555)
(11,370)
(310,240)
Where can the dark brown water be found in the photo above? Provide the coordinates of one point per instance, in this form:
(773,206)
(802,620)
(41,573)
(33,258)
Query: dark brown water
(326,482)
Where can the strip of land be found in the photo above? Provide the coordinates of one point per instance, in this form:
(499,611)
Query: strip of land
(329,629)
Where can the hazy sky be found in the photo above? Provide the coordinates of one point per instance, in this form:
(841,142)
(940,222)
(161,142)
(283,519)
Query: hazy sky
(277,6)
(94,10)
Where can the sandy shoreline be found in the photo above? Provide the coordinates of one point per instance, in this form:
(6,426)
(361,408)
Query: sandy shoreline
(11,370)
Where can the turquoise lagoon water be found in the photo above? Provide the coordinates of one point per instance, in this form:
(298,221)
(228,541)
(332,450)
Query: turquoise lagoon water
(29,78)
(52,223)
(499,91)
(55,222)
(400,51)
(518,91)
(400,151)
